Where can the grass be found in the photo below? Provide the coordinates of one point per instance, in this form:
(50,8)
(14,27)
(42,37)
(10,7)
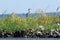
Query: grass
(14,23)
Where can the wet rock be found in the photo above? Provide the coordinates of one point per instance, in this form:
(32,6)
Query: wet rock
(17,34)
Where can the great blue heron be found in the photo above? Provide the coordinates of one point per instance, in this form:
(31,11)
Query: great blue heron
(28,12)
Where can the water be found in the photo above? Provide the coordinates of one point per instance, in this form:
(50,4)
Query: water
(24,15)
(29,38)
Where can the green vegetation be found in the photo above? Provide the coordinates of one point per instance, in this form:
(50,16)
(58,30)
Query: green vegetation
(13,23)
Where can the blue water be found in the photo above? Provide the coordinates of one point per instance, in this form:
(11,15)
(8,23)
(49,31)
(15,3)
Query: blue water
(29,38)
(30,15)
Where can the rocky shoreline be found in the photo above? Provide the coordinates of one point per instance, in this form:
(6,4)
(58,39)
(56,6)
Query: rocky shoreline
(31,34)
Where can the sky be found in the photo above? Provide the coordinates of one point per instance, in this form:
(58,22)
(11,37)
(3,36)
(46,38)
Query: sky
(21,6)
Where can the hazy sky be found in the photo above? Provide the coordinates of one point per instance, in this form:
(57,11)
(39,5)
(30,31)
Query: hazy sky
(21,6)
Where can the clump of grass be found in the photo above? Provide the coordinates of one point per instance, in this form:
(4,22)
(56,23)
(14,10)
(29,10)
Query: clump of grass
(14,23)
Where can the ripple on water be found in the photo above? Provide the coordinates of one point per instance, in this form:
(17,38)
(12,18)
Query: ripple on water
(29,38)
